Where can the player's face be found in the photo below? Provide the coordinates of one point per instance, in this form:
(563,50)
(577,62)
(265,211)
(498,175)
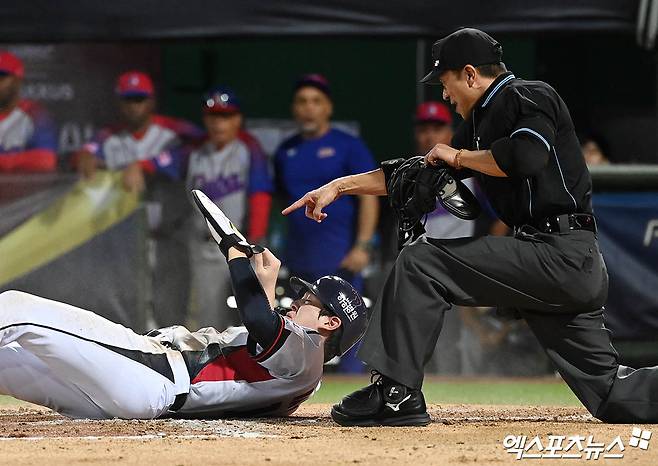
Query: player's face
(10,87)
(593,154)
(457,91)
(429,134)
(136,111)
(223,128)
(312,110)
(306,311)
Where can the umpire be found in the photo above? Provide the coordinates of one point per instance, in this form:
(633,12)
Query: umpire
(518,139)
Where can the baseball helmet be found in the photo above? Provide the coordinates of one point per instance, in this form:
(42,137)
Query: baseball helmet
(221,99)
(342,300)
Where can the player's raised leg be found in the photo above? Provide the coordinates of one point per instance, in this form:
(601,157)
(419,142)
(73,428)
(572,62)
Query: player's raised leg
(107,365)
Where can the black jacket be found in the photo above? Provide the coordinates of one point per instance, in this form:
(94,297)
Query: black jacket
(529,131)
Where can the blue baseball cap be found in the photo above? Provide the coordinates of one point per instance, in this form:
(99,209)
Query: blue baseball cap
(315,80)
(221,100)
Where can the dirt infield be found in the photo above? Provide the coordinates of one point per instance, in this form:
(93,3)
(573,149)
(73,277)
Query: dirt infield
(459,434)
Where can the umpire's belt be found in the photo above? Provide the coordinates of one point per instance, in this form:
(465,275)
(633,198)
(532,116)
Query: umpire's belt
(565,223)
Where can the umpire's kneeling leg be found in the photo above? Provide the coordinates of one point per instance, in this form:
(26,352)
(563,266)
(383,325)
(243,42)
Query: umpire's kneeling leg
(408,315)
(579,345)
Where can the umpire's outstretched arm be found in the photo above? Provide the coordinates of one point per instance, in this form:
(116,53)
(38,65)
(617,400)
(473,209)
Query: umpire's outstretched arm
(372,182)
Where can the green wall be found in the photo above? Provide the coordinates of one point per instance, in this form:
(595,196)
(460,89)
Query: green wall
(373,80)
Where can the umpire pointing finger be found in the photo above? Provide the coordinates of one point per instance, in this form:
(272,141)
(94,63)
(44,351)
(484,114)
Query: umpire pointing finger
(518,139)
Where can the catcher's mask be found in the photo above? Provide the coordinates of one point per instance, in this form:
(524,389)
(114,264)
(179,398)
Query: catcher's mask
(413,189)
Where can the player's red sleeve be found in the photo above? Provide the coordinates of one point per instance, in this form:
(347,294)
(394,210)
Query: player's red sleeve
(33,160)
(148,166)
(259,215)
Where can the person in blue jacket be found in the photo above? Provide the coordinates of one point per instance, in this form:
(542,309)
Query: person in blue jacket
(310,158)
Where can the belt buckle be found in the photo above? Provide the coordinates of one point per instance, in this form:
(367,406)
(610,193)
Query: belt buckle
(577,222)
(564,223)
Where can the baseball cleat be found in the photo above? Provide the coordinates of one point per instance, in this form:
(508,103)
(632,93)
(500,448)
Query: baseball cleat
(382,403)
(225,234)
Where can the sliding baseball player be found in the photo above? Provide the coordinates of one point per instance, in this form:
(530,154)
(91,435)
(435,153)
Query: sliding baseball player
(84,366)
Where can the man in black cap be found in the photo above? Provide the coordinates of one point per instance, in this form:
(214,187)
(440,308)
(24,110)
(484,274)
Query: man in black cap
(519,141)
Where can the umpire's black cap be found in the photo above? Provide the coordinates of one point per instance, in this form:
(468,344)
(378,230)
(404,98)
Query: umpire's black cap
(342,300)
(463,47)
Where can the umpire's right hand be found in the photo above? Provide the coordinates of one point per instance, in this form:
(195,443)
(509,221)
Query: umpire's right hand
(315,201)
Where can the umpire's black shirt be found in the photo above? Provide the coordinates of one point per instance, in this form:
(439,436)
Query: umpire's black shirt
(529,131)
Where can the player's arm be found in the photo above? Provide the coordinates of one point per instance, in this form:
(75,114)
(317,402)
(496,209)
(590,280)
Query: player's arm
(169,163)
(259,190)
(263,324)
(31,160)
(368,216)
(359,256)
(91,157)
(360,160)
(39,154)
(260,203)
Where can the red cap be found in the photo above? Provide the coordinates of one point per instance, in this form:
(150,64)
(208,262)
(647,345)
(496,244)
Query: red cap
(11,64)
(134,83)
(433,111)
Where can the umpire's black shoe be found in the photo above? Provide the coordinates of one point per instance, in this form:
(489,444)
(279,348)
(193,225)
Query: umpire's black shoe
(382,403)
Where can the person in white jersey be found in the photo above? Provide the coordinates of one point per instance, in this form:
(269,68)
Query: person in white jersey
(84,366)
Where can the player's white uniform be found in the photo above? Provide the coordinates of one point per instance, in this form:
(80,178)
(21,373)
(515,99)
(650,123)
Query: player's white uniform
(227,380)
(84,366)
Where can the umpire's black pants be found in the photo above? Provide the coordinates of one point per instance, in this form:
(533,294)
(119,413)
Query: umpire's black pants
(558,283)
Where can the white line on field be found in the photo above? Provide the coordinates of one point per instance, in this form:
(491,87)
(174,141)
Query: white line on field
(145,437)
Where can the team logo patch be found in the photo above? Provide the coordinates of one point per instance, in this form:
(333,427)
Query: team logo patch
(291,152)
(325,152)
(347,307)
(91,147)
(164,159)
